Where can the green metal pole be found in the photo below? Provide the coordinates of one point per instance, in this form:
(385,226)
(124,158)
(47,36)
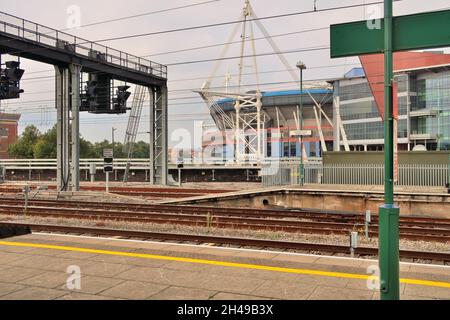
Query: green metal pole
(389,213)
(302,165)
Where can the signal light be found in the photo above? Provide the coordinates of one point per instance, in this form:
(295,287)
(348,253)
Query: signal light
(14,92)
(120,101)
(96,96)
(10,80)
(13,72)
(89,98)
(91,88)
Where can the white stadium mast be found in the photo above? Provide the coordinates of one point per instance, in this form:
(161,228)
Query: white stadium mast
(248,120)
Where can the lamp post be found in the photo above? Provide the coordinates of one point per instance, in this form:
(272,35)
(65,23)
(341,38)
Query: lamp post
(302,67)
(113,143)
(113,147)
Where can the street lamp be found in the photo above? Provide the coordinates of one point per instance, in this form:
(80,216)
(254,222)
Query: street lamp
(302,67)
(113,131)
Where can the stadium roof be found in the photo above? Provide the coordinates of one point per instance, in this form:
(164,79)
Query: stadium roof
(284,93)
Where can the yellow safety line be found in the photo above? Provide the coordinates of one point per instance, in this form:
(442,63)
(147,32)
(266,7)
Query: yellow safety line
(223,264)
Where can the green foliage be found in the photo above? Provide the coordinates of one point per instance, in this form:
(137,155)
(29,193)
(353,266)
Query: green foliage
(45,148)
(34,145)
(87,150)
(141,150)
(23,147)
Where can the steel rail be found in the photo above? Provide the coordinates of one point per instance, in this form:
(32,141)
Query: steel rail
(325,215)
(149,193)
(245,242)
(212,221)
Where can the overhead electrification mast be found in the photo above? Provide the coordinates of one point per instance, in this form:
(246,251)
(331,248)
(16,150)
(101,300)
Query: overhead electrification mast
(248,119)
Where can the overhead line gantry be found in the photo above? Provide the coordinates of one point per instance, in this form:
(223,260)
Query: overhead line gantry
(73,56)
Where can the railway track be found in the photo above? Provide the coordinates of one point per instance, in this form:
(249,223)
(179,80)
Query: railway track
(323,215)
(220,241)
(134,192)
(225,218)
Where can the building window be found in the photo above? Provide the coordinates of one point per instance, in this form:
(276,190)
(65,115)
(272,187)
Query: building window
(402,82)
(403,128)
(403,105)
(365,130)
(359,110)
(293,149)
(355,91)
(286,150)
(269,150)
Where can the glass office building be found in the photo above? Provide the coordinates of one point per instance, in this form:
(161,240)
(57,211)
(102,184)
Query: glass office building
(423,109)
(423,95)
(433,103)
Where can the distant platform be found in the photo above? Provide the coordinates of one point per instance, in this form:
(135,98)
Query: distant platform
(426,201)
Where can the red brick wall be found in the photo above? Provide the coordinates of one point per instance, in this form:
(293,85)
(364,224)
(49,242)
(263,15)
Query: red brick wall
(11,137)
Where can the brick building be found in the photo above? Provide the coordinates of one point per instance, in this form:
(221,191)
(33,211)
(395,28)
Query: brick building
(8,132)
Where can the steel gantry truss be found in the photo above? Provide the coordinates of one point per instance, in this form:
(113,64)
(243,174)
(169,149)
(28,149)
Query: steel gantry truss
(140,94)
(158,101)
(68,126)
(71,56)
(159,136)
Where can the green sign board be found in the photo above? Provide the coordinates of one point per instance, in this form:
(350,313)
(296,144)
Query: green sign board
(411,32)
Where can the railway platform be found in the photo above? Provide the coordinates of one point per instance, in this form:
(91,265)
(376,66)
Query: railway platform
(49,266)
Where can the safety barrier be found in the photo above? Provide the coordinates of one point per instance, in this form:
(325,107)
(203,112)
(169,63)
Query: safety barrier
(287,173)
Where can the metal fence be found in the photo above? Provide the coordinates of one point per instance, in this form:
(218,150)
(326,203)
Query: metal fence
(119,164)
(287,173)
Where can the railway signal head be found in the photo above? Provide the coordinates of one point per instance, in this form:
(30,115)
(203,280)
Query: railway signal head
(91,88)
(10,78)
(120,101)
(14,92)
(89,97)
(13,72)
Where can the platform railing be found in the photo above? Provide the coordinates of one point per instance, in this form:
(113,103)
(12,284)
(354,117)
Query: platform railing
(85,164)
(423,175)
(119,164)
(50,37)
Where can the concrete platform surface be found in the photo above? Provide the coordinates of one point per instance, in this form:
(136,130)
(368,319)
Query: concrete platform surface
(46,267)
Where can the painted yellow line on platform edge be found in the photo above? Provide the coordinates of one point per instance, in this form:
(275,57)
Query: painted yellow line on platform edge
(222,263)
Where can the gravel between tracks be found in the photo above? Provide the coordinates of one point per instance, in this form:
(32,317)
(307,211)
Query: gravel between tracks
(281,236)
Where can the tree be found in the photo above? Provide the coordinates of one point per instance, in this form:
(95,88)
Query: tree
(100,146)
(23,148)
(118,151)
(34,145)
(87,150)
(45,148)
(141,150)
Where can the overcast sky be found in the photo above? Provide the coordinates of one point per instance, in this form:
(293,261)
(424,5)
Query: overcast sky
(37,103)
